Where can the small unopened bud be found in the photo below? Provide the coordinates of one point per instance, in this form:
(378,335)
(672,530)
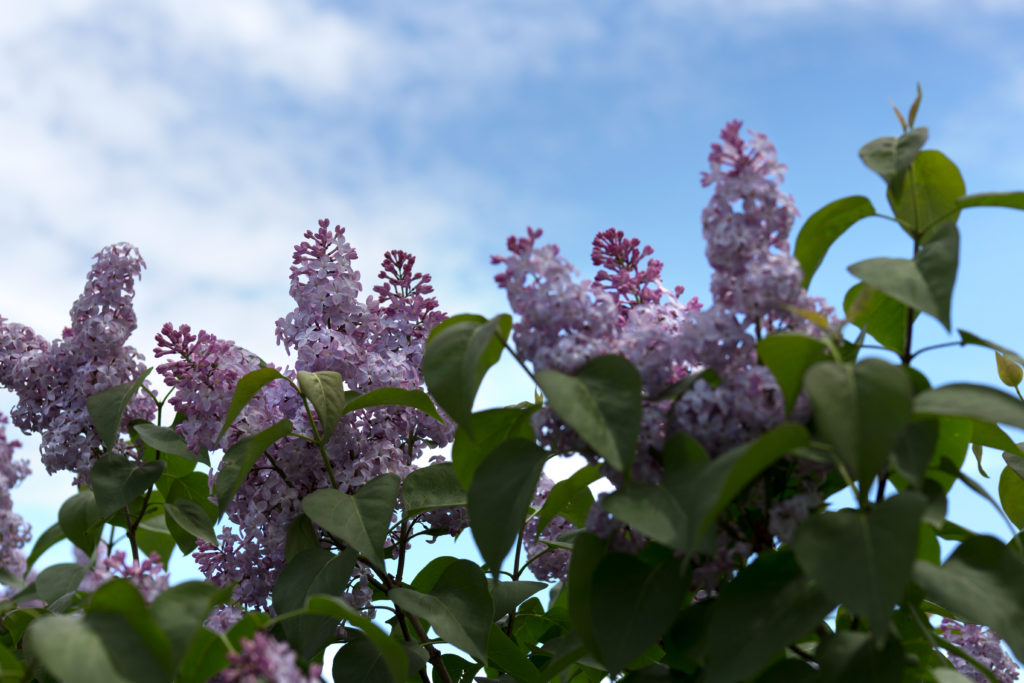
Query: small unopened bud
(1009,372)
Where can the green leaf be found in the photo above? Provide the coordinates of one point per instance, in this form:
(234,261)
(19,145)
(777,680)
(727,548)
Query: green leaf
(395,396)
(982,582)
(824,227)
(653,511)
(117,482)
(788,355)
(769,605)
(154,536)
(711,491)
(507,595)
(863,558)
(166,440)
(565,497)
(861,410)
(928,196)
(588,550)
(432,487)
(459,352)
(206,657)
(458,607)
(1010,200)
(181,610)
(326,391)
(360,660)
(601,402)
(879,315)
(394,654)
(45,541)
(500,495)
(924,283)
(892,157)
(853,657)
(71,651)
(191,517)
(81,521)
(973,339)
(360,520)
(311,572)
(971,400)
(1011,496)
(239,459)
(504,654)
(632,606)
(58,580)
(247,387)
(139,649)
(107,408)
(301,536)
(490,429)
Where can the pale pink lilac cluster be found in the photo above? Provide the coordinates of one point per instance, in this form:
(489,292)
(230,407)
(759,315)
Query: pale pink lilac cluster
(53,379)
(15,532)
(372,343)
(148,576)
(982,644)
(546,563)
(263,658)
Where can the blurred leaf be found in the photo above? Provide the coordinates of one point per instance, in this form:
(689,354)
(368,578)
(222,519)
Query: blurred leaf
(360,520)
(1010,200)
(326,391)
(428,488)
(192,518)
(500,495)
(824,227)
(863,558)
(505,654)
(1011,495)
(508,595)
(181,610)
(154,536)
(138,648)
(602,404)
(240,458)
(891,157)
(927,198)
(247,387)
(563,496)
(973,339)
(311,572)
(853,657)
(395,396)
(879,315)
(359,659)
(81,521)
(58,580)
(971,400)
(166,440)
(117,482)
(394,654)
(490,428)
(71,651)
(588,551)
(788,355)
(301,536)
(45,541)
(653,511)
(107,407)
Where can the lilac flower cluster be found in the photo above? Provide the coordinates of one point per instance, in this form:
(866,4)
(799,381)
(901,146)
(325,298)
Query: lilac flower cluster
(53,379)
(14,531)
(546,563)
(148,576)
(373,343)
(265,659)
(982,644)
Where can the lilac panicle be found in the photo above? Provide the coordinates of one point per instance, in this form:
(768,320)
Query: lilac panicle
(372,342)
(53,379)
(264,658)
(546,563)
(982,644)
(14,530)
(148,576)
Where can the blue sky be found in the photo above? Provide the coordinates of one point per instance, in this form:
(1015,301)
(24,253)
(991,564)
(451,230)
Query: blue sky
(211,135)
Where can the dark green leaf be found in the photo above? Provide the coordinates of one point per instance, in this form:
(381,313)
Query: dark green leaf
(166,440)
(432,487)
(863,558)
(459,607)
(239,459)
(879,315)
(489,429)
(853,657)
(769,605)
(680,387)
(824,227)
(928,196)
(81,521)
(504,654)
(458,354)
(107,408)
(601,403)
(361,520)
(500,495)
(181,610)
(117,482)
(311,572)
(969,338)
(395,396)
(588,551)
(632,606)
(563,497)
(653,511)
(154,536)
(891,157)
(139,649)
(45,541)
(971,400)
(326,391)
(71,651)
(861,410)
(58,580)
(507,595)
(788,355)
(206,657)
(394,654)
(1010,200)
(301,536)
(191,517)
(248,386)
(1011,496)
(360,660)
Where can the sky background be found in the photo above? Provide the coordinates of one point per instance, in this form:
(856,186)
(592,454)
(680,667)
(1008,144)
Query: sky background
(213,134)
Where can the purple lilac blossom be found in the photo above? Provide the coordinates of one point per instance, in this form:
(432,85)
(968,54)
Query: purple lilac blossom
(264,658)
(546,563)
(53,379)
(148,576)
(982,644)
(371,342)
(15,532)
